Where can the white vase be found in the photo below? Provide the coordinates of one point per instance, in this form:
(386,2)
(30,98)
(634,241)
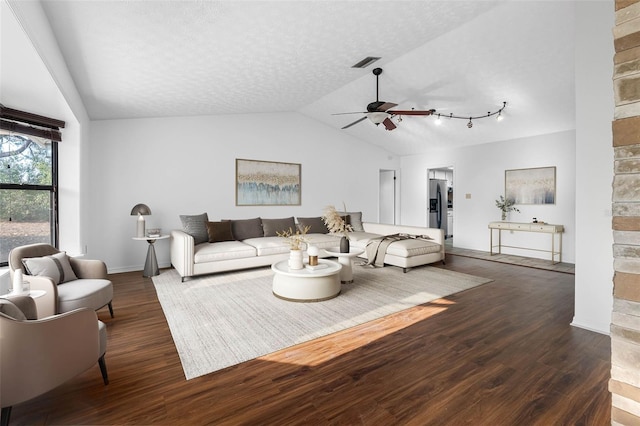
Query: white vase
(18,285)
(295,259)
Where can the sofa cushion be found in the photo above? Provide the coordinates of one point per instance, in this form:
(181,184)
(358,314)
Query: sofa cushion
(266,246)
(225,250)
(355,219)
(247,228)
(323,241)
(413,247)
(271,227)
(219,231)
(196,226)
(362,237)
(55,266)
(84,293)
(316,224)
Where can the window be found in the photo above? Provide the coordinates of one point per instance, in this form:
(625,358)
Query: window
(28,192)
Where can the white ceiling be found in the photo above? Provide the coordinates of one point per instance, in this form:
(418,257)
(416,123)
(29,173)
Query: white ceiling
(133,59)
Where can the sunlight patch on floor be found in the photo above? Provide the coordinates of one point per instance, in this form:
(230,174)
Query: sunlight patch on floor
(342,342)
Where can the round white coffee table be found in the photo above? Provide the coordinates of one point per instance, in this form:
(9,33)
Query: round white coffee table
(346,260)
(305,285)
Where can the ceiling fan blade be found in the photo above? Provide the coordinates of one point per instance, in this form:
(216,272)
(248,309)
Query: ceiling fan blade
(385,106)
(412,112)
(355,122)
(388,124)
(347,113)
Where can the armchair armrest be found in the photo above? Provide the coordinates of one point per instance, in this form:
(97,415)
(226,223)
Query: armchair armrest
(88,268)
(182,252)
(47,305)
(69,342)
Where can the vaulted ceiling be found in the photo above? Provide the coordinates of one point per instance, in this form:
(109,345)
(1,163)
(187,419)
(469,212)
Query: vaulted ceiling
(133,59)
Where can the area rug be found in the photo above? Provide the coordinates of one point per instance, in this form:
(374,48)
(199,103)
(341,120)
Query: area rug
(224,319)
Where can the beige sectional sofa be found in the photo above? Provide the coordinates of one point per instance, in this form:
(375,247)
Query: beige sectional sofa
(248,243)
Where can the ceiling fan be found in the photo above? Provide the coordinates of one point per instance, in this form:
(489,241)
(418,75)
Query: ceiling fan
(381,112)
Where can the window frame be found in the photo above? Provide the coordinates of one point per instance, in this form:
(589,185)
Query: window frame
(53,192)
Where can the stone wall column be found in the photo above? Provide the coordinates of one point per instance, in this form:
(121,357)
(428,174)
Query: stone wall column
(625,319)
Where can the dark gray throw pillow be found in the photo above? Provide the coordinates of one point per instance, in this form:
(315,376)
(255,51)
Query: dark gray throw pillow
(219,231)
(247,228)
(316,223)
(196,226)
(271,227)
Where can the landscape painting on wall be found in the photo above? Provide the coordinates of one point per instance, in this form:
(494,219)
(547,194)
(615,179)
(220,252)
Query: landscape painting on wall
(531,186)
(267,183)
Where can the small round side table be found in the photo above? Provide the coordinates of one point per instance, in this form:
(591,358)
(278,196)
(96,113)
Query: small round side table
(346,260)
(151,264)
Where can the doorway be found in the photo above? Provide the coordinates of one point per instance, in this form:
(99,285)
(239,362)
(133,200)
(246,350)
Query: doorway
(440,187)
(387,197)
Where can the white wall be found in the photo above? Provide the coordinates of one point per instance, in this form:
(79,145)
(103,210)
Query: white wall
(479,171)
(594,165)
(34,78)
(588,240)
(186,165)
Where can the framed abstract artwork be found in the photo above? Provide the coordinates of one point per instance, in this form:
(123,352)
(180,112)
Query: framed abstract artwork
(267,183)
(531,186)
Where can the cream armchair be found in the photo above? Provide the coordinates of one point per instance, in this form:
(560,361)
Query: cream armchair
(40,355)
(92,289)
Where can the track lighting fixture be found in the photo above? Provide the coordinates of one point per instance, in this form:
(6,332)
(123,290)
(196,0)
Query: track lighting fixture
(497,113)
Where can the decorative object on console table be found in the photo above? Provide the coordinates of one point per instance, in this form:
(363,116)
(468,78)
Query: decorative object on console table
(140,210)
(506,205)
(337,224)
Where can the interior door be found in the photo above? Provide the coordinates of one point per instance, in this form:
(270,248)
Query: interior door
(387,197)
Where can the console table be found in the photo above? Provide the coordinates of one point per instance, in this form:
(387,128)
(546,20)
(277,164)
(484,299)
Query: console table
(547,228)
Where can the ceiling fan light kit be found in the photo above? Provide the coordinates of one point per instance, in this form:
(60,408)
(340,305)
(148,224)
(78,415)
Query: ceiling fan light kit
(381,112)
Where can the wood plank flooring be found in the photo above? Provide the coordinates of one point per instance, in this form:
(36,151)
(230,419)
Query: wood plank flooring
(499,354)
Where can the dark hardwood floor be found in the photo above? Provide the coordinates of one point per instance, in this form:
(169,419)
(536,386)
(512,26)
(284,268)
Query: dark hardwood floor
(499,354)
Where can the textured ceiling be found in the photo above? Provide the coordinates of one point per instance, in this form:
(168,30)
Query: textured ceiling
(132,59)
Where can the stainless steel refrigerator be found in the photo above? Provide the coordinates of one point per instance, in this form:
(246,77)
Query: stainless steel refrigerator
(438,204)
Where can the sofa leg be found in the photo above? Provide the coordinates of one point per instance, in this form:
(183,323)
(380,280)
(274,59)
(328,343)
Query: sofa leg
(103,369)
(110,309)
(6,414)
